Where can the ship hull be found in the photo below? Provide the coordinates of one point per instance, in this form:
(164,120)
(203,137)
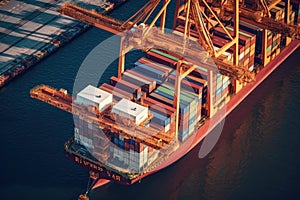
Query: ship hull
(211,123)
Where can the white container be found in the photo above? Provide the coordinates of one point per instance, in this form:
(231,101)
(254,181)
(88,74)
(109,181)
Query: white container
(130,110)
(95,97)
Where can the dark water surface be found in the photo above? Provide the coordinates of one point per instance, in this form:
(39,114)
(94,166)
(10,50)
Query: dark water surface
(257,156)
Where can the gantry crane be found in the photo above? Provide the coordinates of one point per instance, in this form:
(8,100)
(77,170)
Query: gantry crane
(196,15)
(260,14)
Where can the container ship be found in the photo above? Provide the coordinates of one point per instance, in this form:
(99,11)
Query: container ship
(156,111)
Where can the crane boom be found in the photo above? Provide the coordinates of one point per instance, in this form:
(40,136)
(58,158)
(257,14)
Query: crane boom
(142,15)
(263,20)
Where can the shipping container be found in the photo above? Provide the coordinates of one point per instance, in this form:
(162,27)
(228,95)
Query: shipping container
(161,59)
(117,90)
(144,84)
(126,86)
(165,68)
(160,118)
(150,80)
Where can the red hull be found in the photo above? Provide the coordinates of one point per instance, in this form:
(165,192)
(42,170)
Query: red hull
(210,124)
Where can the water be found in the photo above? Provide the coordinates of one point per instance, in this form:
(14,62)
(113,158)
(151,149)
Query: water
(255,158)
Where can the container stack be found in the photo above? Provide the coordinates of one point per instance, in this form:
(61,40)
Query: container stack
(146,85)
(273,45)
(92,138)
(162,57)
(163,115)
(246,40)
(130,153)
(273,42)
(296,10)
(259,33)
(117,93)
(189,106)
(149,71)
(152,72)
(219,87)
(126,86)
(145,78)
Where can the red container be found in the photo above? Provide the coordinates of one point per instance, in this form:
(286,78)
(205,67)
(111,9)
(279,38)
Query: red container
(153,82)
(160,109)
(161,59)
(184,117)
(161,67)
(170,108)
(126,146)
(161,99)
(243,40)
(126,86)
(193,33)
(131,146)
(183,126)
(152,65)
(145,87)
(138,147)
(116,95)
(117,90)
(192,87)
(156,126)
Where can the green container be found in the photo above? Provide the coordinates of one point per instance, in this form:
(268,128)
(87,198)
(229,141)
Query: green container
(269,49)
(171,93)
(164,54)
(193,112)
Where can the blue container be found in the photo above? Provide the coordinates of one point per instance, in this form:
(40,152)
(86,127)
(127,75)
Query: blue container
(183,105)
(193,81)
(161,119)
(184,132)
(116,140)
(218,91)
(121,143)
(142,72)
(191,121)
(149,70)
(225,86)
(145,66)
(182,138)
(131,141)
